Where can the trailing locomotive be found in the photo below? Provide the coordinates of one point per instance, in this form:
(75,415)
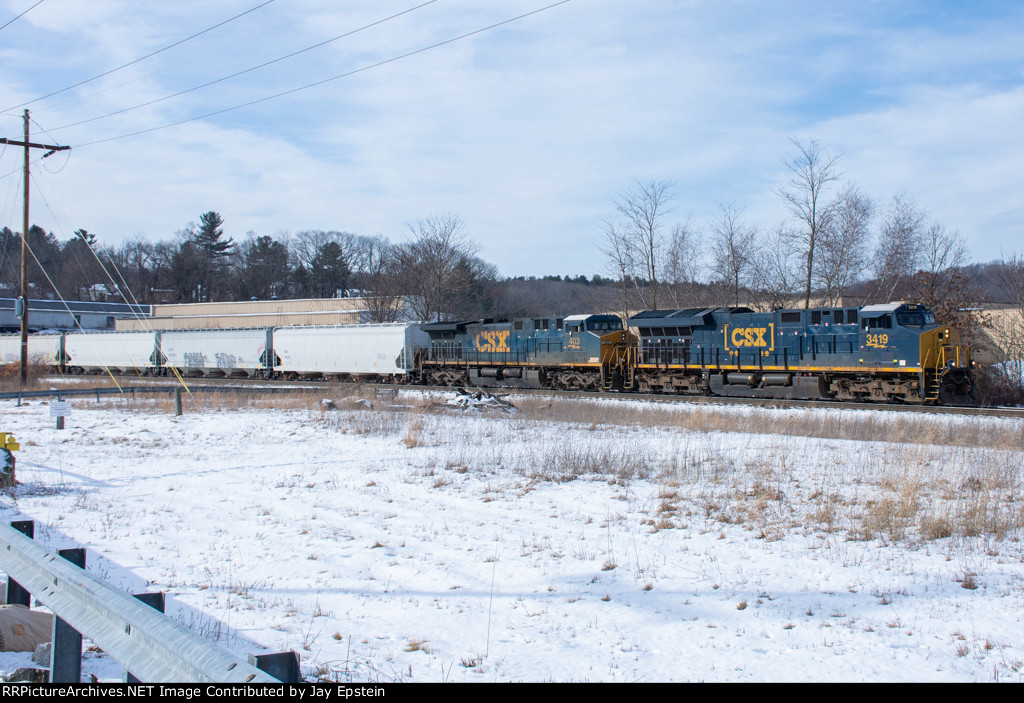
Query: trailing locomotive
(893,352)
(580,352)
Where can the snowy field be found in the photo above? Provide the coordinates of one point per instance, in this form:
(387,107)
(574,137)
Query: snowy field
(419,538)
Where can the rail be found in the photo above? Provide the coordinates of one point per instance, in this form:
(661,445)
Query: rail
(153,647)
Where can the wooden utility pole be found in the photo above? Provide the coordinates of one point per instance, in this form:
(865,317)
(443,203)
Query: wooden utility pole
(24,243)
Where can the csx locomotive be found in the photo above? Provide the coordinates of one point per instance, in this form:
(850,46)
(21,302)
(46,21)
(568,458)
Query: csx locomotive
(893,352)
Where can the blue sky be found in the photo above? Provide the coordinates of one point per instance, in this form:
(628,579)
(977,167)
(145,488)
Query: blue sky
(526,131)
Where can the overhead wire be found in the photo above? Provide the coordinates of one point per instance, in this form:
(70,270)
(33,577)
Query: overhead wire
(141,58)
(67,307)
(47,133)
(8,202)
(122,286)
(134,306)
(12,21)
(247,70)
(200,57)
(35,160)
(332,78)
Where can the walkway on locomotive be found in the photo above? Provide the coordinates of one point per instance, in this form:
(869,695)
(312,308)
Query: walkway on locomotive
(891,338)
(539,341)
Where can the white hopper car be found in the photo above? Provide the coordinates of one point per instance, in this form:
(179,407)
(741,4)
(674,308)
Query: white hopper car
(372,351)
(97,352)
(217,352)
(42,349)
(343,351)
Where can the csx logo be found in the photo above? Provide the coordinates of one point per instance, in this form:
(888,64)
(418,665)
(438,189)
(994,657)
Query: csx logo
(492,341)
(750,337)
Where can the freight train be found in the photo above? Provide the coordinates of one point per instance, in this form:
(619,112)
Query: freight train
(893,352)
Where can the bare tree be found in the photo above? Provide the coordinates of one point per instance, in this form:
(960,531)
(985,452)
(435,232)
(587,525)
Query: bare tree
(942,250)
(899,247)
(1009,331)
(378,279)
(941,283)
(844,243)
(732,246)
(1010,275)
(813,171)
(682,265)
(638,239)
(776,268)
(616,246)
(435,270)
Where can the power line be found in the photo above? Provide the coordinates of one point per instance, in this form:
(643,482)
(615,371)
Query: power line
(9,22)
(248,70)
(142,58)
(333,78)
(199,57)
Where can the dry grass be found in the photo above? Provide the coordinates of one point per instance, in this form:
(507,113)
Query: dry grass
(846,423)
(10,377)
(893,479)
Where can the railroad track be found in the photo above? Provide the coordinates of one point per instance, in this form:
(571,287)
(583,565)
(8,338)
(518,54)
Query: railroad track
(167,385)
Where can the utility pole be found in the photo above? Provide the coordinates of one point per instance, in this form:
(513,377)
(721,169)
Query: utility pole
(24,243)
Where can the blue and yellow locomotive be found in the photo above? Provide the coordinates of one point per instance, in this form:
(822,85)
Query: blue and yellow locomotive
(892,352)
(580,352)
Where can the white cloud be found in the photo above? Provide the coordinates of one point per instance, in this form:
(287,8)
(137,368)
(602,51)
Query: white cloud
(525,131)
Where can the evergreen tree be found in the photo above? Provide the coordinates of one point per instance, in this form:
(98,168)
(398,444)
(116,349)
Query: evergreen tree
(264,272)
(202,261)
(208,237)
(329,271)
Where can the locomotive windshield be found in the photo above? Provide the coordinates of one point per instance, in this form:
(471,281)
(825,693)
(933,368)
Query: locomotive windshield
(915,318)
(604,325)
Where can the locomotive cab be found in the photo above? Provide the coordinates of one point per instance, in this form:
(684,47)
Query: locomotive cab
(583,335)
(902,335)
(602,350)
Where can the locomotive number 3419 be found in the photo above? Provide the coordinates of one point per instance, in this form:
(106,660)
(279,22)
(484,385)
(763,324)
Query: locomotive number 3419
(878,341)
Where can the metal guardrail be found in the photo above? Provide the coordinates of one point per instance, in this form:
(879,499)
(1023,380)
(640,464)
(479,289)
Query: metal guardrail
(153,647)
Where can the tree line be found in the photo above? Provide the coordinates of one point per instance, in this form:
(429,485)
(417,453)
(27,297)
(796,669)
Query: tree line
(837,243)
(436,269)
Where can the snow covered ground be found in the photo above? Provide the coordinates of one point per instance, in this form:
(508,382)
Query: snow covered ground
(425,538)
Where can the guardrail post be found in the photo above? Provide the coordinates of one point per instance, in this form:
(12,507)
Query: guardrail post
(283,666)
(157,601)
(177,401)
(66,650)
(16,595)
(128,631)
